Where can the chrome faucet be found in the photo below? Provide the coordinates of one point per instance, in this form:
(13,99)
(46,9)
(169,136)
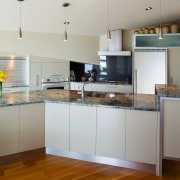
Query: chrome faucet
(83,89)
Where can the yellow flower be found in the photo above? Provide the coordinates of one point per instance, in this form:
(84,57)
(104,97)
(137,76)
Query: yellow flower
(3,76)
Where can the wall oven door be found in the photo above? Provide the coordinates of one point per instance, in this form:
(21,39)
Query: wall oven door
(56,85)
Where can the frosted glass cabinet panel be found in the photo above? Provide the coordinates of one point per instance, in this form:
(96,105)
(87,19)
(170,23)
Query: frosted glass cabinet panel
(152,41)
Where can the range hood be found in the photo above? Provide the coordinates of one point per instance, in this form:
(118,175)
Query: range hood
(115,45)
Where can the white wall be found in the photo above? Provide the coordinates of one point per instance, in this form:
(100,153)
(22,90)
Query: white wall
(174,66)
(77,48)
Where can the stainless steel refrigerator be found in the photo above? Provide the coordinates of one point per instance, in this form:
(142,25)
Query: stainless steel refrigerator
(150,68)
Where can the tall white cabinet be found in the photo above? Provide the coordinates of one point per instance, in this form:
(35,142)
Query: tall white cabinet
(150,68)
(35,76)
(42,70)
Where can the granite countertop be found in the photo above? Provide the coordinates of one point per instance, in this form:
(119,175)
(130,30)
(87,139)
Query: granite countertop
(120,100)
(163,90)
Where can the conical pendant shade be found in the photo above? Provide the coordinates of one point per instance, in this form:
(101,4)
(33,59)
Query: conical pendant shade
(20,34)
(65,35)
(160,33)
(109,34)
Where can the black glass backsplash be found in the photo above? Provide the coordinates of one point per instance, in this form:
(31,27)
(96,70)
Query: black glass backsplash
(110,69)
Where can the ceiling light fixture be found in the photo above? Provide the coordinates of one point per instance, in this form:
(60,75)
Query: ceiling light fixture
(65,5)
(108,32)
(160,22)
(20,14)
(149,8)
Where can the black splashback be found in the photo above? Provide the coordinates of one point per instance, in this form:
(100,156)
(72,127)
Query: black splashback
(111,69)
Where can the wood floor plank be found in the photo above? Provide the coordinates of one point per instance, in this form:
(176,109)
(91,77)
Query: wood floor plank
(48,167)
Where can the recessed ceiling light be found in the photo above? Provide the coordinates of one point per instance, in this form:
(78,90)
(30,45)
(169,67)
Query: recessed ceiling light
(148,8)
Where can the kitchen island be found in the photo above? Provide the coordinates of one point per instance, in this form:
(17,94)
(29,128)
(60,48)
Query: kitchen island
(112,128)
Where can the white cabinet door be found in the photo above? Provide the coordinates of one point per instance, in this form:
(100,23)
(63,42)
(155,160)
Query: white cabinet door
(32,126)
(141,136)
(171,126)
(9,130)
(35,76)
(110,132)
(82,129)
(150,68)
(61,68)
(57,126)
(111,88)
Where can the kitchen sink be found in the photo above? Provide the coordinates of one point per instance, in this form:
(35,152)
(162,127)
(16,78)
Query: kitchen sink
(100,94)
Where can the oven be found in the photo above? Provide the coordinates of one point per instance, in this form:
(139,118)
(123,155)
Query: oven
(55,82)
(58,85)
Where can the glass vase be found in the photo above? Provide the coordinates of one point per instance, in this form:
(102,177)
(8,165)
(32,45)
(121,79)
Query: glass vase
(0,89)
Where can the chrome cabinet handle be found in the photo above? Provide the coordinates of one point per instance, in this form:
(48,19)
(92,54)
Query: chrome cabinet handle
(136,71)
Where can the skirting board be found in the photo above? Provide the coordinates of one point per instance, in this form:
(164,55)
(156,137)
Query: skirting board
(103,160)
(21,156)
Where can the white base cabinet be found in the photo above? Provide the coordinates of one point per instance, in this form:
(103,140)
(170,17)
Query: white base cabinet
(110,133)
(171,125)
(32,127)
(57,126)
(9,130)
(21,128)
(82,129)
(141,136)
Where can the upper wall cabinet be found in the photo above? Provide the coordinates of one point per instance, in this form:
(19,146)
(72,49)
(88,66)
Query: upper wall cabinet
(152,41)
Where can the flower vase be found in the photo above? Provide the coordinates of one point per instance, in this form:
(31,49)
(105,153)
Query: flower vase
(0,89)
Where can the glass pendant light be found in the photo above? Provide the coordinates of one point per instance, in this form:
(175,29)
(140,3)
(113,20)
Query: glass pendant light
(65,5)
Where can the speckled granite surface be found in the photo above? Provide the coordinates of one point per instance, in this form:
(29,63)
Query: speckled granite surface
(167,90)
(119,100)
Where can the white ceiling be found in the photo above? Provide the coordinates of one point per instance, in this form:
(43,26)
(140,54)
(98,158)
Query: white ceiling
(87,17)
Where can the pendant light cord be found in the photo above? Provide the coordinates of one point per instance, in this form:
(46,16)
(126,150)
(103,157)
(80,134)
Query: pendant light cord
(108,31)
(20,13)
(108,14)
(160,22)
(160,13)
(65,18)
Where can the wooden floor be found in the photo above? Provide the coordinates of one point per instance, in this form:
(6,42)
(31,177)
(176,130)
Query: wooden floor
(48,167)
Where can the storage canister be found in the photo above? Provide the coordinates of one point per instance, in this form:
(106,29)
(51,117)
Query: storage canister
(146,31)
(157,29)
(174,28)
(141,31)
(165,29)
(151,31)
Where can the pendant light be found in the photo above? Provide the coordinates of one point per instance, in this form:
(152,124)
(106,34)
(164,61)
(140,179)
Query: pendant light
(160,24)
(65,5)
(108,32)
(20,12)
